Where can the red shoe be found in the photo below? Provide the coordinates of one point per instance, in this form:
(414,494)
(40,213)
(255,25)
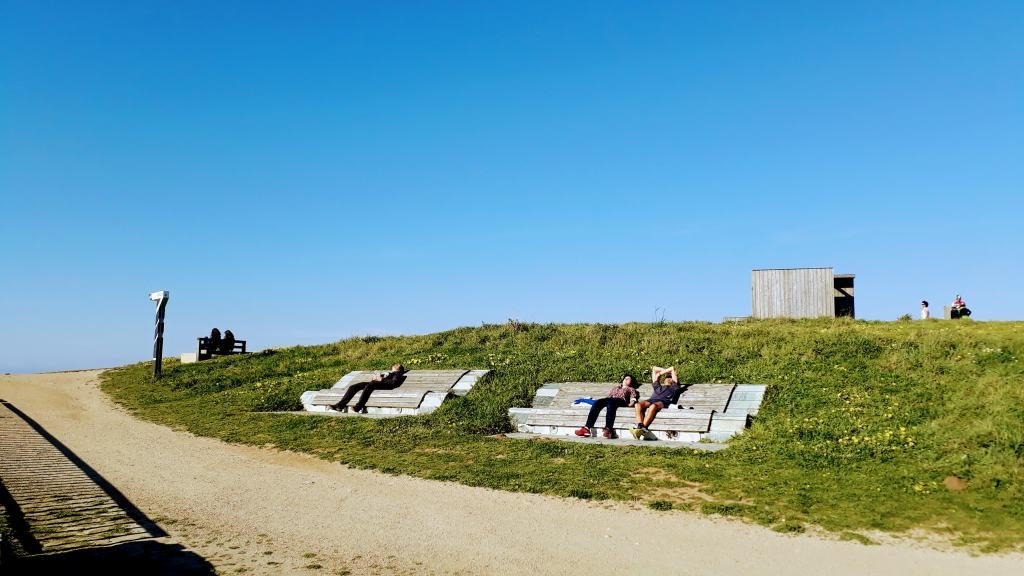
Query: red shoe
(609,433)
(584,431)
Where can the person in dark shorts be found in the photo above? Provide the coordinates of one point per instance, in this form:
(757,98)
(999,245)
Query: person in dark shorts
(386,381)
(663,395)
(623,395)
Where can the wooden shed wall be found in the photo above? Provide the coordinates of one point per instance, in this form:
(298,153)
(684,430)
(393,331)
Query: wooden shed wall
(793,293)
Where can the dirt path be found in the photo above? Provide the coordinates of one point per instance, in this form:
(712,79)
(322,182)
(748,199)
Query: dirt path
(267,512)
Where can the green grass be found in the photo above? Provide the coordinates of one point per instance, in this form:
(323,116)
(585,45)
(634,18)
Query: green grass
(861,423)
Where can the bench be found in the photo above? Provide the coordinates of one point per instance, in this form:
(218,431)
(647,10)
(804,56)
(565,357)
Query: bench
(203,351)
(422,392)
(712,412)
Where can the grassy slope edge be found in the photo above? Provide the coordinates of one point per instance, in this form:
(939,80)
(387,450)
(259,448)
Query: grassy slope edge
(862,423)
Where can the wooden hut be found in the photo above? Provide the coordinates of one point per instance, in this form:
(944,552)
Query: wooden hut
(801,293)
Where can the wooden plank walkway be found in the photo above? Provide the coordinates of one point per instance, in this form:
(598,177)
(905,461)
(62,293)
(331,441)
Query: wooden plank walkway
(63,507)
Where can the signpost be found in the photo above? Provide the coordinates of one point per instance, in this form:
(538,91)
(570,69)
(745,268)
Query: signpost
(161,299)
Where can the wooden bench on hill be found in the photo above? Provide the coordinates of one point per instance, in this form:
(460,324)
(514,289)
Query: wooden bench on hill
(205,351)
(422,391)
(703,411)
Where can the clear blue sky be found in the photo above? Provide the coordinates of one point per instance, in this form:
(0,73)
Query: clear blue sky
(300,172)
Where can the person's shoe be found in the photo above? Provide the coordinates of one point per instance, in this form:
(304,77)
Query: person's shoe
(583,432)
(360,410)
(635,432)
(609,433)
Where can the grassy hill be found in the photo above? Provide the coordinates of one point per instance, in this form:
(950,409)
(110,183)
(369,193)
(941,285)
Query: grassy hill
(862,424)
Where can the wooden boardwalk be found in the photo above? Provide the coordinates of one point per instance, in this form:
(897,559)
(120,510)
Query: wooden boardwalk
(60,503)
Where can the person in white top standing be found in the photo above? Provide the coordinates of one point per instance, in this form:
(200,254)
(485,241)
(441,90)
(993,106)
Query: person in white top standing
(925,314)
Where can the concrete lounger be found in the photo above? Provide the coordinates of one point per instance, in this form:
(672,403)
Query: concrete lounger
(703,413)
(422,392)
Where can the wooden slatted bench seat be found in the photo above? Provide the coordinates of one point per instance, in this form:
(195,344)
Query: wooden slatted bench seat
(701,413)
(685,425)
(205,352)
(422,391)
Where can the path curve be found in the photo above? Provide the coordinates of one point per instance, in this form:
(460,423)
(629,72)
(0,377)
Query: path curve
(273,512)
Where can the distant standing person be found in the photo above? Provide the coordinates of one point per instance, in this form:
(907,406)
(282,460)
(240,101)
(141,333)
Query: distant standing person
(385,381)
(623,395)
(925,314)
(664,394)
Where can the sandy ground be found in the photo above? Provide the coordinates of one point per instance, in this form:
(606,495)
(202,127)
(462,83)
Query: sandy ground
(250,510)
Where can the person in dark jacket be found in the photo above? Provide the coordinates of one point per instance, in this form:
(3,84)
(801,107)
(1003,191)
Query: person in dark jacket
(385,381)
(663,395)
(227,345)
(213,342)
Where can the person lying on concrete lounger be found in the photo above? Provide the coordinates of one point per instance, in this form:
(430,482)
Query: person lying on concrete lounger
(622,395)
(664,394)
(386,381)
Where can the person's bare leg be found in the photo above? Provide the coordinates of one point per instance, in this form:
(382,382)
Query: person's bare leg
(652,411)
(640,411)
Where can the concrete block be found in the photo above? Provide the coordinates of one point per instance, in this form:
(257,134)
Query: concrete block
(745,407)
(466,383)
(718,436)
(518,417)
(431,401)
(189,357)
(307,401)
(746,396)
(728,423)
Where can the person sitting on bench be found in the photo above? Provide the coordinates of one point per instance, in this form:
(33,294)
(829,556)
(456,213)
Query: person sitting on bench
(227,345)
(386,381)
(959,309)
(213,342)
(664,394)
(622,395)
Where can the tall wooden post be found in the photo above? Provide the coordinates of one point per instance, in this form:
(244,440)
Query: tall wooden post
(161,299)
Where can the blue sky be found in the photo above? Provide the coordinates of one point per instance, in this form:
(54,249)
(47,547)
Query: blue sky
(302,172)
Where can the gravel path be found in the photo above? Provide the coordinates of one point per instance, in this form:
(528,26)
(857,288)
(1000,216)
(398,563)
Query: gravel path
(250,510)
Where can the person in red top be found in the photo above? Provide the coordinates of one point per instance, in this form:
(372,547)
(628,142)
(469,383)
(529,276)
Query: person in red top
(622,395)
(959,309)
